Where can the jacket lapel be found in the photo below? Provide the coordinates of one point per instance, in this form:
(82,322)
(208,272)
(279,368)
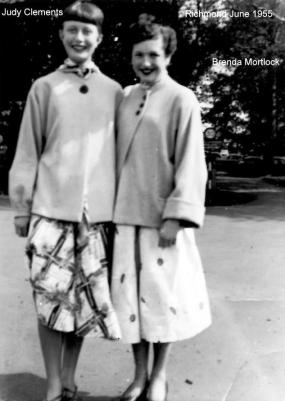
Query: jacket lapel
(129,121)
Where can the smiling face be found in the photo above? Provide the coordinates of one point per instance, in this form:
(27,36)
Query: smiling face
(149,60)
(80,40)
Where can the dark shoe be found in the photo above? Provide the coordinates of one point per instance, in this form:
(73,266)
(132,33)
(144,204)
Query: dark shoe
(141,397)
(70,395)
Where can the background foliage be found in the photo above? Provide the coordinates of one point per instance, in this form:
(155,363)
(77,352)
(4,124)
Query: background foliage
(243,103)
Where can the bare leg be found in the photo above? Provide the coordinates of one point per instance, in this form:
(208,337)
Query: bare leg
(157,385)
(141,354)
(51,344)
(70,353)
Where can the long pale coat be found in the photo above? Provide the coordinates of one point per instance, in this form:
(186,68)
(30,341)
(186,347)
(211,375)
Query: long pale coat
(161,162)
(159,294)
(66,148)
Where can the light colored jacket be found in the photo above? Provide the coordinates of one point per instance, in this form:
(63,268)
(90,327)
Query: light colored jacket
(161,163)
(66,148)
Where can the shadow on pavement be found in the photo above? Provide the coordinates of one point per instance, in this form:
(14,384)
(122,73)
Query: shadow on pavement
(27,386)
(261,207)
(229,198)
(258,199)
(21,387)
(4,202)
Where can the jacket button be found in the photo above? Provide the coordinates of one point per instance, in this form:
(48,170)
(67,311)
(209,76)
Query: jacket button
(132,318)
(83,89)
(160,261)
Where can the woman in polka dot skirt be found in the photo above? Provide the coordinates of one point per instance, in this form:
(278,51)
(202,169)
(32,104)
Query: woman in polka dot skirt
(158,285)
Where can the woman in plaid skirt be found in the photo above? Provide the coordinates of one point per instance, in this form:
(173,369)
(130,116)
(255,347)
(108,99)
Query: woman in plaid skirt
(62,185)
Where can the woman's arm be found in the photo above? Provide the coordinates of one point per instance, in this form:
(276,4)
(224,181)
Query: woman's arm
(186,201)
(22,175)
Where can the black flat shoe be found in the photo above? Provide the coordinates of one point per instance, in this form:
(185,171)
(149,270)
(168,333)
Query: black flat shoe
(70,395)
(141,397)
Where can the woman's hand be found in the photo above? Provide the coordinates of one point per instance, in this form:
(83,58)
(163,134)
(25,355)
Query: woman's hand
(168,232)
(22,225)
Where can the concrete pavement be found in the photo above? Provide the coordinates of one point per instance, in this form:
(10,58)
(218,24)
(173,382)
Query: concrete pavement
(241,357)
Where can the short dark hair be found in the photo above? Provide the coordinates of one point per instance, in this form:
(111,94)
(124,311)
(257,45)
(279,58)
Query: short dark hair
(84,11)
(146,29)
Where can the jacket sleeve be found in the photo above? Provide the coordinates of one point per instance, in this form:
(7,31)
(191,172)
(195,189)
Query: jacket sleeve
(22,175)
(186,201)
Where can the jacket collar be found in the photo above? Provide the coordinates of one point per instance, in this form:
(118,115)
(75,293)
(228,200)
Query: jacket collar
(157,85)
(82,71)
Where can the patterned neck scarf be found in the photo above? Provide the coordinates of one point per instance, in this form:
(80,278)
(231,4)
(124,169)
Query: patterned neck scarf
(82,71)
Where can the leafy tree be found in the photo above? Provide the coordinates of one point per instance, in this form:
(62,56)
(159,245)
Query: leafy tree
(240,102)
(241,99)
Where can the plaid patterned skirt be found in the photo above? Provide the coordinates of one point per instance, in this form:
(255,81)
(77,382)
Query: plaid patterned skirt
(69,276)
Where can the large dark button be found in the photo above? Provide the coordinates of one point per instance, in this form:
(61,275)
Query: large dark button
(83,89)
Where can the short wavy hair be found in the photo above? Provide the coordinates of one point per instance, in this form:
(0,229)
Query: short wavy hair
(84,11)
(146,29)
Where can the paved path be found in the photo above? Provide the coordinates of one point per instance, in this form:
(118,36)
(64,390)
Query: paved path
(240,358)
